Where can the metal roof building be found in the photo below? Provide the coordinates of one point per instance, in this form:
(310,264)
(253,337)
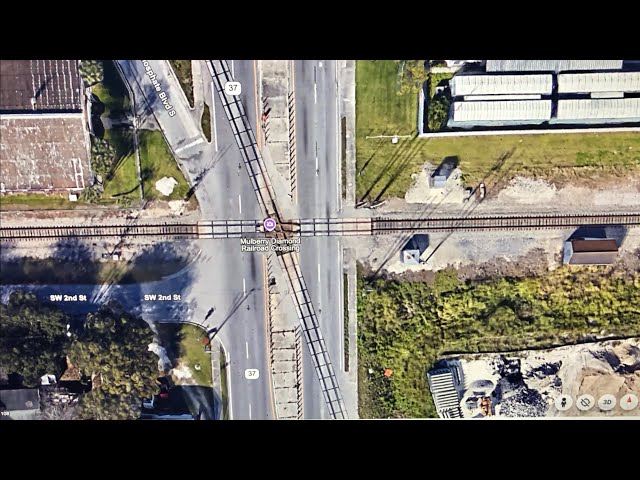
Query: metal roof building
(40,85)
(590,252)
(551,65)
(599,82)
(462,85)
(524,110)
(609,108)
(445,395)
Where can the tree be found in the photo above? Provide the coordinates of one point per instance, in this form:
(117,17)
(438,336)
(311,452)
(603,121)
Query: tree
(102,156)
(113,349)
(438,111)
(412,76)
(91,71)
(32,338)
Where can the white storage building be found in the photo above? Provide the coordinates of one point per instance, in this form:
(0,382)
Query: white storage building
(551,65)
(523,110)
(599,82)
(462,85)
(610,108)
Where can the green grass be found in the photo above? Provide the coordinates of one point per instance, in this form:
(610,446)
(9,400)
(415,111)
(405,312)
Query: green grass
(183,343)
(408,326)
(223,385)
(205,122)
(124,178)
(37,201)
(156,162)
(112,92)
(385,169)
(183,72)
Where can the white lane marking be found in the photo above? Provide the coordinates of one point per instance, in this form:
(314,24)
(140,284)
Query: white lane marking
(317,168)
(320,64)
(184,147)
(249,411)
(315,92)
(318,272)
(240,202)
(246,345)
(213,110)
(244,286)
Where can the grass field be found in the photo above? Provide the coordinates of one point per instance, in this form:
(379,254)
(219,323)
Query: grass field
(124,179)
(385,169)
(156,162)
(223,385)
(183,72)
(183,343)
(37,201)
(205,122)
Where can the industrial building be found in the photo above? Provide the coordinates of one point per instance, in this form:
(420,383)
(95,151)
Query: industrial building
(19,404)
(544,94)
(44,134)
(442,385)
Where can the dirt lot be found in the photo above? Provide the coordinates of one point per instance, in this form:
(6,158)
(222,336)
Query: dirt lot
(478,255)
(526,383)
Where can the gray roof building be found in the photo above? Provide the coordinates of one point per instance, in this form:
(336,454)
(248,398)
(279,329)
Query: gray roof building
(40,85)
(416,246)
(462,85)
(599,82)
(509,110)
(44,134)
(20,404)
(606,108)
(551,65)
(590,251)
(444,392)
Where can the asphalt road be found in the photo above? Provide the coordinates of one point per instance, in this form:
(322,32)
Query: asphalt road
(318,176)
(223,277)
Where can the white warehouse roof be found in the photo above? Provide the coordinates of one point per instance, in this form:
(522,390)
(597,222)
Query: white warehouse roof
(462,85)
(604,109)
(502,111)
(551,65)
(599,82)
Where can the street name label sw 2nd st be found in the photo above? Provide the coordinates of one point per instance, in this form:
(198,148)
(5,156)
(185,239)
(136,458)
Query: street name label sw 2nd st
(152,297)
(68,298)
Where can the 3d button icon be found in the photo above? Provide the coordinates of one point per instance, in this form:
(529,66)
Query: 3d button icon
(628,401)
(607,402)
(585,402)
(563,402)
(252,374)
(232,88)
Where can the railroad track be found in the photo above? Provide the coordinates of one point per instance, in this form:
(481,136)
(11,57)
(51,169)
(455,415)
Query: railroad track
(213,229)
(508,222)
(164,230)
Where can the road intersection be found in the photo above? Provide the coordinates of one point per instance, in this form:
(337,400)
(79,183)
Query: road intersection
(224,278)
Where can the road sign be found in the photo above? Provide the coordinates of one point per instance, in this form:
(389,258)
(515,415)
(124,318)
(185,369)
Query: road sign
(233,88)
(252,374)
